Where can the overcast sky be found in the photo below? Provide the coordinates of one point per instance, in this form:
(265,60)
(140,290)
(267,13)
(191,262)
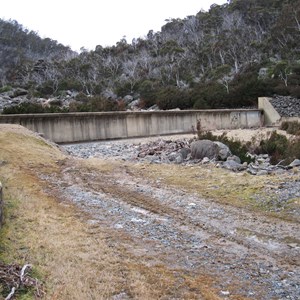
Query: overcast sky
(89,23)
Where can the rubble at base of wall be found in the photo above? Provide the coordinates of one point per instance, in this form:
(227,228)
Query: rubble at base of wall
(286,106)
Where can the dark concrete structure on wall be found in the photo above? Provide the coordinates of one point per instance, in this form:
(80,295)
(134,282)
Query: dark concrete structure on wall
(77,127)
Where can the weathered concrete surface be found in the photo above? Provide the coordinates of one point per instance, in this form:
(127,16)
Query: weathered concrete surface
(76,127)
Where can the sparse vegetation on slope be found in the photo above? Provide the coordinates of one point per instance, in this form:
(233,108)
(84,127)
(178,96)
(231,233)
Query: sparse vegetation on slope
(226,57)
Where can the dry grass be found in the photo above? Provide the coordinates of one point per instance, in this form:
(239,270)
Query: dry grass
(219,185)
(74,259)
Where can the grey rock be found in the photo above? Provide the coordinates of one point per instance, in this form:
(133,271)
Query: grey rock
(223,151)
(205,160)
(295,163)
(109,95)
(134,104)
(19,92)
(233,166)
(185,152)
(179,159)
(54,101)
(204,148)
(175,157)
(234,158)
(153,107)
(262,173)
(286,106)
(128,99)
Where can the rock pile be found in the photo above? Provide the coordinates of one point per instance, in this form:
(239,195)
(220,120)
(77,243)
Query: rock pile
(182,151)
(286,106)
(17,96)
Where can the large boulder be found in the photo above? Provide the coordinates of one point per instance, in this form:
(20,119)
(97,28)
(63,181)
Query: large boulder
(204,148)
(224,151)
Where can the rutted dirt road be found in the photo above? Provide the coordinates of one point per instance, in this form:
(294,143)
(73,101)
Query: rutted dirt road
(168,231)
(249,254)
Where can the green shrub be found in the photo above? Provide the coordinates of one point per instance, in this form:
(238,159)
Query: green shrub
(82,97)
(205,96)
(69,84)
(46,89)
(280,148)
(5,88)
(172,97)
(95,104)
(32,108)
(148,93)
(291,127)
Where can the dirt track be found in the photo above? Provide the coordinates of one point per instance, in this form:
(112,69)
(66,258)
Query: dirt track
(115,229)
(248,254)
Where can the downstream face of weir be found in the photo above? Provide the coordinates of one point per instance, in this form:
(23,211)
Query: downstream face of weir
(80,127)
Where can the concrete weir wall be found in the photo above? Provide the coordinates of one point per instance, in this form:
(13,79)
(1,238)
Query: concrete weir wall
(78,127)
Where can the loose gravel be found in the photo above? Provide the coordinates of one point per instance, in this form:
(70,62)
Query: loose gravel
(252,255)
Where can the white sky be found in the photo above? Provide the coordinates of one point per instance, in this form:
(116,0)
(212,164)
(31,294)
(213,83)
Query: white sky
(88,23)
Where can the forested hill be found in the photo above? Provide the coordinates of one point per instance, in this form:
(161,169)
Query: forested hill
(226,57)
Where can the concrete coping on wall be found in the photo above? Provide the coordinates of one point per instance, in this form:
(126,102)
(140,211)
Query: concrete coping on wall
(111,113)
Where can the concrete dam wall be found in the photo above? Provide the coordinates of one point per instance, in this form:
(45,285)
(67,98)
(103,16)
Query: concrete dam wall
(78,127)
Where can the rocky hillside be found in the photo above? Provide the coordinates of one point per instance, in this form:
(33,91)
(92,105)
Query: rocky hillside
(286,106)
(226,57)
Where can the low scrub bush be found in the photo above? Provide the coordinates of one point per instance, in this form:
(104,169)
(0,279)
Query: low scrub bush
(291,127)
(95,104)
(236,147)
(5,88)
(280,149)
(32,108)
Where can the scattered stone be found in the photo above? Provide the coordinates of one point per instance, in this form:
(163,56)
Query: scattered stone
(225,293)
(181,151)
(128,99)
(234,158)
(295,163)
(233,166)
(205,160)
(286,106)
(262,172)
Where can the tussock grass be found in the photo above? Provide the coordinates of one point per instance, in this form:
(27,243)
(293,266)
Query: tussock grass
(220,185)
(73,258)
